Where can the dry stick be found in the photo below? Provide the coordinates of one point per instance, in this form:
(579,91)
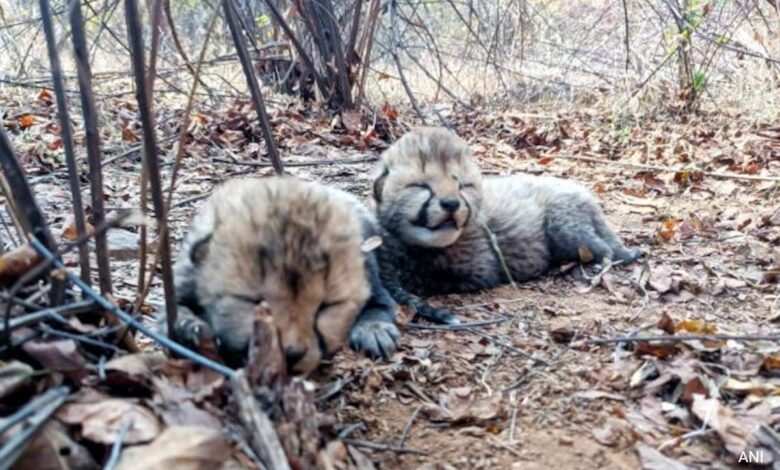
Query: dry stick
(177,44)
(408,427)
(37,413)
(462,326)
(384,447)
(58,312)
(29,213)
(639,166)
(132,322)
(626,40)
(150,155)
(155,13)
(67,136)
(677,339)
(397,60)
(89,111)
(353,33)
(254,88)
(116,449)
(11,209)
(367,42)
(323,26)
(365,159)
(307,62)
(147,285)
(261,433)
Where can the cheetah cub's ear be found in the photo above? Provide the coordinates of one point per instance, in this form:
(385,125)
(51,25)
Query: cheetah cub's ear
(200,250)
(379,183)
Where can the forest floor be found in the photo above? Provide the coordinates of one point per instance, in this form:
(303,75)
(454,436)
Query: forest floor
(525,391)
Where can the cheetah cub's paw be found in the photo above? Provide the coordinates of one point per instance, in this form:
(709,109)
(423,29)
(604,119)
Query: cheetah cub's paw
(375,338)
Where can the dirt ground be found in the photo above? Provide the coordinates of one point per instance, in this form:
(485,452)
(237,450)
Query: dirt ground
(523,390)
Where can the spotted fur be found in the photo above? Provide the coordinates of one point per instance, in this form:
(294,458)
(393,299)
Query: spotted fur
(438,212)
(296,247)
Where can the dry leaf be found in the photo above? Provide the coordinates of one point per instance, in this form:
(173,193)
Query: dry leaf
(53,449)
(14,263)
(735,429)
(666,323)
(103,421)
(26,121)
(13,376)
(652,459)
(371,244)
(60,355)
(180,448)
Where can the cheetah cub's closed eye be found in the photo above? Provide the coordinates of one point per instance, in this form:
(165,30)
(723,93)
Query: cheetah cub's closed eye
(434,207)
(295,246)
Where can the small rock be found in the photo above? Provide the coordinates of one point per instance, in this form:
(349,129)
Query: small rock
(124,245)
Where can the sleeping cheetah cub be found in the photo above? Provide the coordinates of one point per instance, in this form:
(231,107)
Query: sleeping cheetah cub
(297,247)
(438,213)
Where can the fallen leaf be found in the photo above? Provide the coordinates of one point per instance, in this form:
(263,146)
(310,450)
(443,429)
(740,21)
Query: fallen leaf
(697,327)
(666,323)
(466,408)
(371,244)
(60,355)
(45,97)
(606,435)
(652,459)
(102,421)
(668,230)
(53,449)
(659,350)
(26,121)
(179,447)
(69,231)
(13,376)
(586,256)
(128,135)
(735,429)
(15,263)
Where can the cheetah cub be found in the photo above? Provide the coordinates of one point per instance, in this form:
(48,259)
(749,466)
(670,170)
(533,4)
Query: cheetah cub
(298,247)
(438,214)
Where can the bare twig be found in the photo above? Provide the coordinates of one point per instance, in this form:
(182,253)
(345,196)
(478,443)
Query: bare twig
(384,447)
(151,157)
(677,339)
(639,166)
(31,418)
(133,323)
(335,161)
(29,212)
(89,111)
(254,88)
(116,449)
(260,430)
(462,326)
(67,136)
(408,427)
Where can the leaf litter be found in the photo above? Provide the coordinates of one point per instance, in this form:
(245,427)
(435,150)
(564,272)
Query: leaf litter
(494,396)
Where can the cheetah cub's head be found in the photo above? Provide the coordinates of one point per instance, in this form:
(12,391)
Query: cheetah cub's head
(428,188)
(289,244)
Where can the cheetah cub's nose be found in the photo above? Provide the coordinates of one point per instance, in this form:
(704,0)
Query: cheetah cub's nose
(449,204)
(292,357)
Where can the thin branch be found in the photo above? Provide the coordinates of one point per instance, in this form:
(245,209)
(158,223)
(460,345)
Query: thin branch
(639,166)
(151,157)
(29,212)
(67,136)
(677,339)
(89,111)
(129,320)
(254,88)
